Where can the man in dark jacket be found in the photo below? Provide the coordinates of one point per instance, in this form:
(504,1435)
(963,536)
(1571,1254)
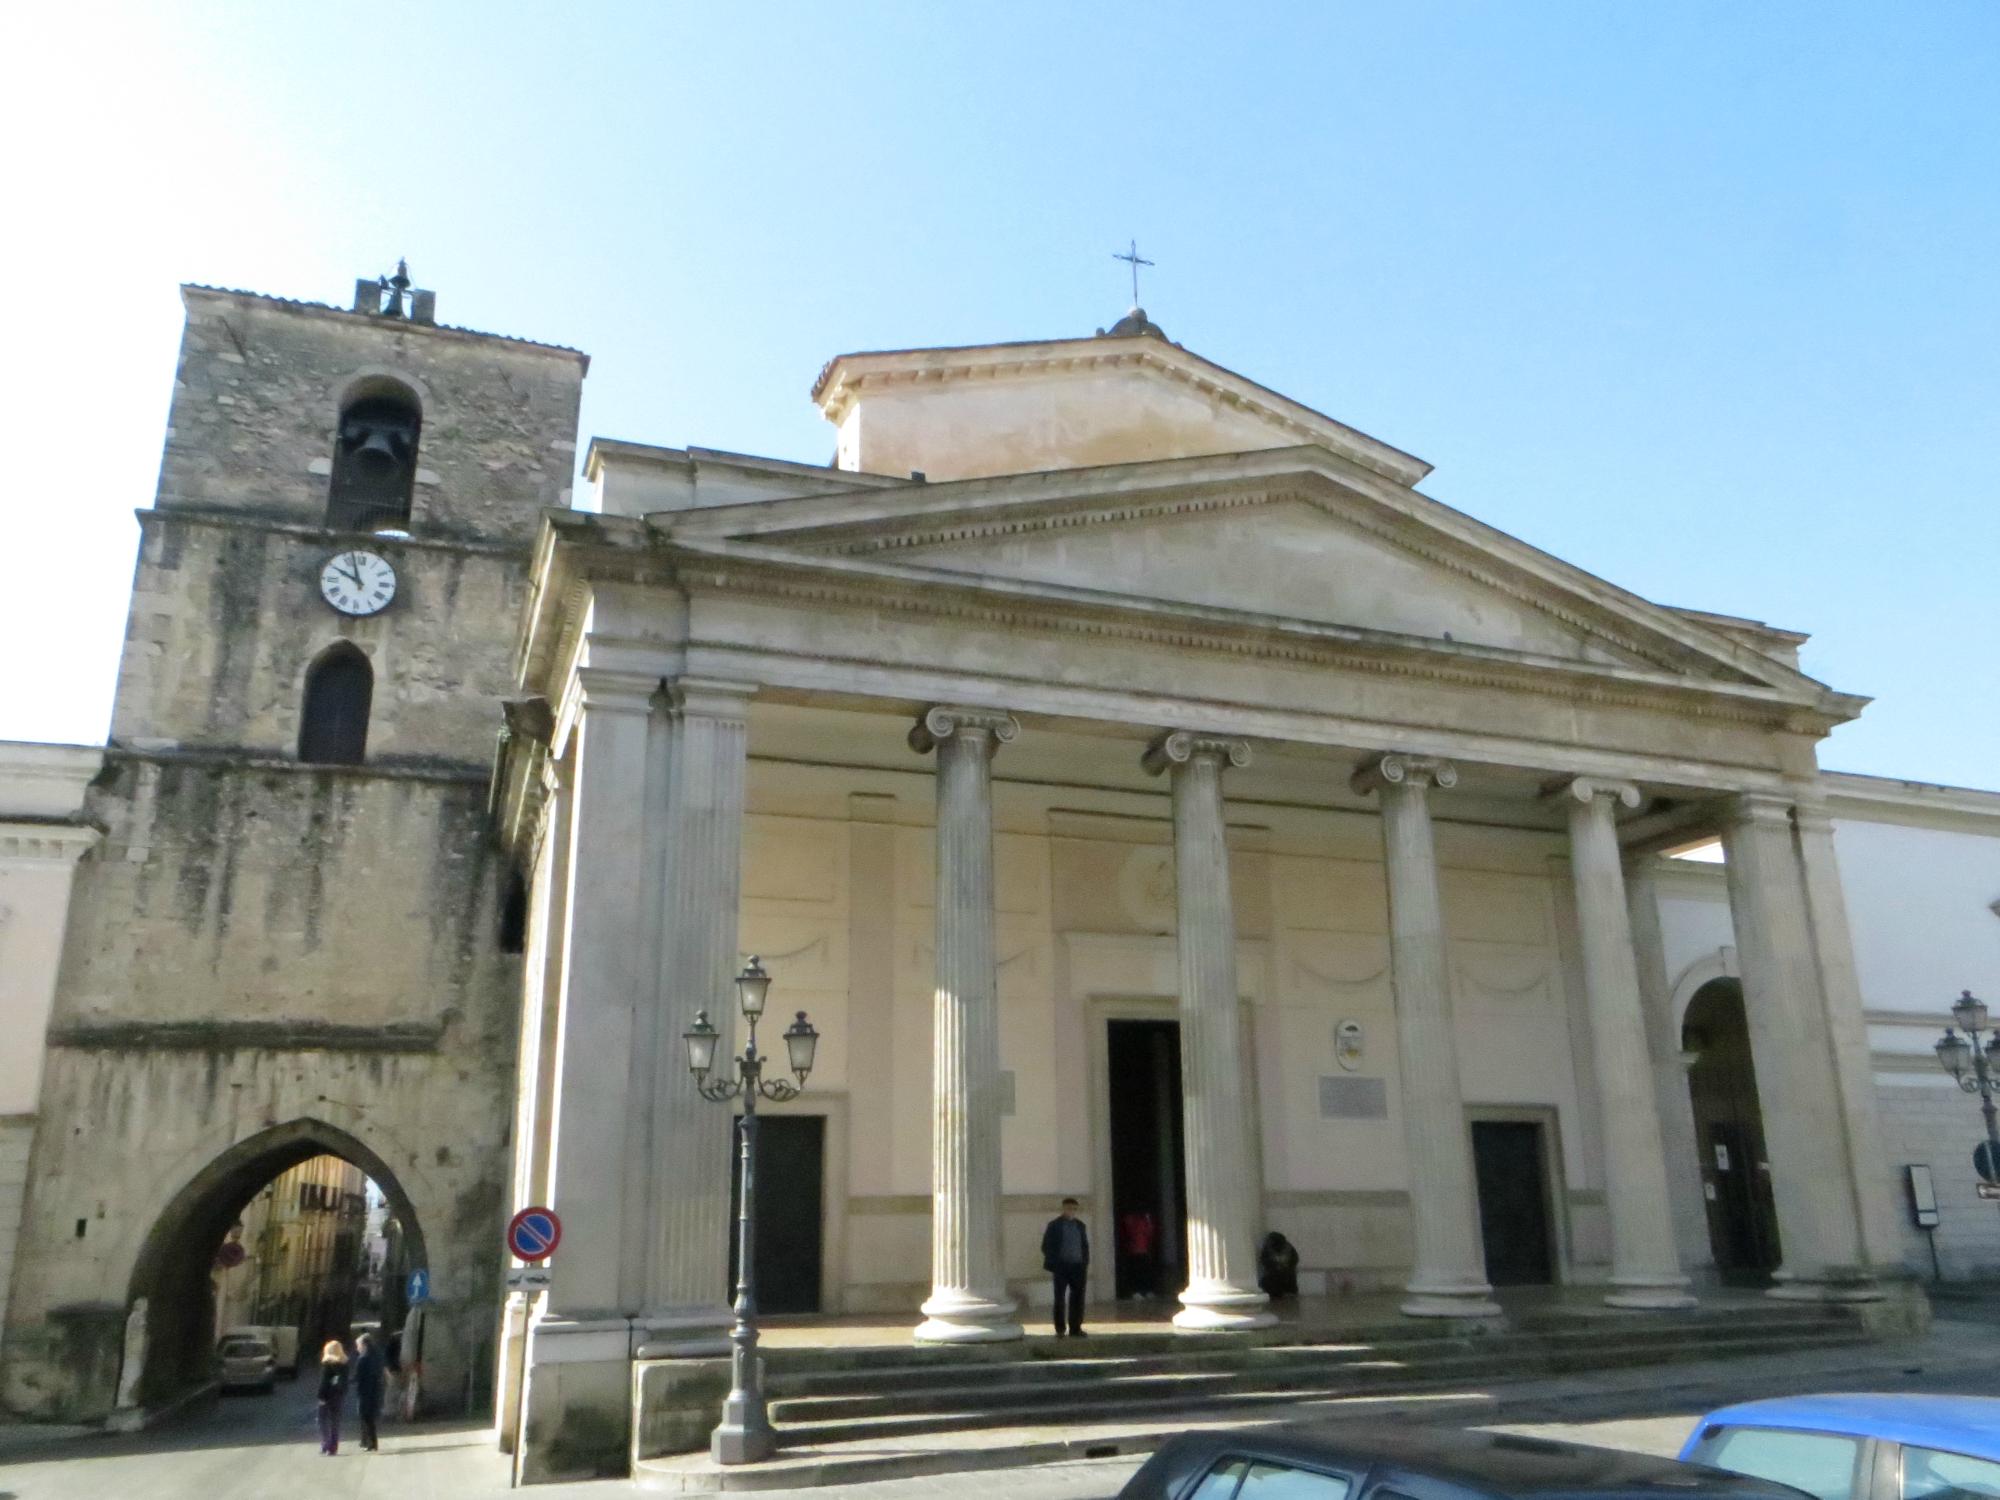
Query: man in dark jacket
(1066,1256)
(369,1366)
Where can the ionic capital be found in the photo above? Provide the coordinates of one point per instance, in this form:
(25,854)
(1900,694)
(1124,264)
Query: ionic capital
(1176,747)
(1587,789)
(1397,769)
(937,724)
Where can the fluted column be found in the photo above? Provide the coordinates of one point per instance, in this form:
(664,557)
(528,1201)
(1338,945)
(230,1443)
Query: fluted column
(1798,1094)
(1223,1190)
(1645,1271)
(594,1117)
(1449,1279)
(702,755)
(968,1301)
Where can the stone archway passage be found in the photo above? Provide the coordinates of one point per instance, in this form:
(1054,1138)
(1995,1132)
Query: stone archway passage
(172,1271)
(1729,1134)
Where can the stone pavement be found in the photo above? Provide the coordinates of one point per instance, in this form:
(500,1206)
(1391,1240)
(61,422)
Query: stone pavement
(260,1447)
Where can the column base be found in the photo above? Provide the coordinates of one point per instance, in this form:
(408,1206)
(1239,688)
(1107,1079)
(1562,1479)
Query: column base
(1664,1295)
(1828,1287)
(1223,1309)
(1455,1299)
(682,1333)
(959,1317)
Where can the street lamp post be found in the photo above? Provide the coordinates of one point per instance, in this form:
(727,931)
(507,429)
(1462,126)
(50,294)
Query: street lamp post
(1975,1065)
(744,1434)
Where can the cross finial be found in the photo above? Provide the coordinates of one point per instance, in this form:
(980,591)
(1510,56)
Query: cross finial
(1132,256)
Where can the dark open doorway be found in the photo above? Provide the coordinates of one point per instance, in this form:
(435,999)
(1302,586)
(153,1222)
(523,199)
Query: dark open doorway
(791,1192)
(1508,1158)
(1148,1161)
(1729,1133)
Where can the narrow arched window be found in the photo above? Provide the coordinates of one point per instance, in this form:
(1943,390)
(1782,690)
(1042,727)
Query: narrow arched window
(374,461)
(333,727)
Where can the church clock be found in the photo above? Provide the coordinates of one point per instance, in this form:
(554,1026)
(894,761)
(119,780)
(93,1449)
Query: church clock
(357,583)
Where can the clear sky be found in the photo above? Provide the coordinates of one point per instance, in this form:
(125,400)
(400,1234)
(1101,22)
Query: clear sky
(1704,298)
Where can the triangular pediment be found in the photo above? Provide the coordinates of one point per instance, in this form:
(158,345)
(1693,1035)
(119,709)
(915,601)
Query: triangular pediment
(1286,556)
(1300,537)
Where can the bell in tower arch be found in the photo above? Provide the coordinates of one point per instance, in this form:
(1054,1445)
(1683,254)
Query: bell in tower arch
(374,465)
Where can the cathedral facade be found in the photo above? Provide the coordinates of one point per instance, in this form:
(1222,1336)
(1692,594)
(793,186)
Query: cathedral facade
(1147,792)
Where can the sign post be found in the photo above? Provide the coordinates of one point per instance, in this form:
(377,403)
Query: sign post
(532,1236)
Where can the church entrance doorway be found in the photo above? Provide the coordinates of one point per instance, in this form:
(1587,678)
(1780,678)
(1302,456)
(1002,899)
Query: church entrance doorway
(295,1236)
(791,1199)
(1148,1159)
(1729,1134)
(1509,1162)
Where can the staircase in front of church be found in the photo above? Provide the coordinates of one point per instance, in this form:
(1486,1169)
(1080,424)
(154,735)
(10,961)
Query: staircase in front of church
(851,1414)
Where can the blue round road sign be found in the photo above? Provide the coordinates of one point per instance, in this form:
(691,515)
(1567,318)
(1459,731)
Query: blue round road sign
(534,1234)
(420,1287)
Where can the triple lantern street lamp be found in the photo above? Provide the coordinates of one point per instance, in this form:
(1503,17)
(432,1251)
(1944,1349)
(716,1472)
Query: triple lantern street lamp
(1975,1063)
(744,1435)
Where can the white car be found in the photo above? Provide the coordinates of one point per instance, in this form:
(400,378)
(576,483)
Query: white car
(244,1364)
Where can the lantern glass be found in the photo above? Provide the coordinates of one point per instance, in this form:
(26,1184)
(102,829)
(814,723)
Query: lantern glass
(701,1039)
(801,1042)
(752,985)
(1954,1052)
(1969,1012)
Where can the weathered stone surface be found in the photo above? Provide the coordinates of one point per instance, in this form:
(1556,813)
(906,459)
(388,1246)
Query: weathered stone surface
(268,959)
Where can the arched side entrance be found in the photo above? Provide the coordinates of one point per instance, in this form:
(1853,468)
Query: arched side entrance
(1729,1133)
(172,1271)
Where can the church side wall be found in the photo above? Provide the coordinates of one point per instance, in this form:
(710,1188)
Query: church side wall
(838,901)
(1921,903)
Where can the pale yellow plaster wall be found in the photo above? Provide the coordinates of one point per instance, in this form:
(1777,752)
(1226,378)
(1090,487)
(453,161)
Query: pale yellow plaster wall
(838,871)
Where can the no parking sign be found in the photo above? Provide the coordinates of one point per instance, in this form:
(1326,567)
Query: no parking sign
(533,1234)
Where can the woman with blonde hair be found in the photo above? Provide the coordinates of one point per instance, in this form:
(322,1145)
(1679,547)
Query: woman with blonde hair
(332,1394)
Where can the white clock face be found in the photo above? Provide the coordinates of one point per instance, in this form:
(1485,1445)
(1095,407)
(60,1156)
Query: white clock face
(357,583)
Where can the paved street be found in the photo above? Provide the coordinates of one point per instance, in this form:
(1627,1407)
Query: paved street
(263,1447)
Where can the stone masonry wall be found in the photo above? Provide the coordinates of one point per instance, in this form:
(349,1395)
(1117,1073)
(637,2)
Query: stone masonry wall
(265,959)
(259,391)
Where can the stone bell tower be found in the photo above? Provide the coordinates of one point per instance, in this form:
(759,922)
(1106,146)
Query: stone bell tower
(298,935)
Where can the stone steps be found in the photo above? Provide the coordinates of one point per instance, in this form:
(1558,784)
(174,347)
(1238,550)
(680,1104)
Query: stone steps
(903,1411)
(818,1420)
(1050,1364)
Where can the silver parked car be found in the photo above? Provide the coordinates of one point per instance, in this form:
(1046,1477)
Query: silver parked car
(245,1364)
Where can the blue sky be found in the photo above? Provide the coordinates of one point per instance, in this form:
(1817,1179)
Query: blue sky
(1699,297)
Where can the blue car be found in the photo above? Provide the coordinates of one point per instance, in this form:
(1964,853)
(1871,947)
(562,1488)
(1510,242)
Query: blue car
(1860,1447)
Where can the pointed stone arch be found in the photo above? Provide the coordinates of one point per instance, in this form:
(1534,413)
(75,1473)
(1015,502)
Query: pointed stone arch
(172,1268)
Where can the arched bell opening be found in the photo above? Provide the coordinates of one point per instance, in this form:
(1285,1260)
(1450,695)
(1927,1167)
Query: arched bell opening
(185,1254)
(375,458)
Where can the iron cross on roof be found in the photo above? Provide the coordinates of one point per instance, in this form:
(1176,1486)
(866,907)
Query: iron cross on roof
(1136,260)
